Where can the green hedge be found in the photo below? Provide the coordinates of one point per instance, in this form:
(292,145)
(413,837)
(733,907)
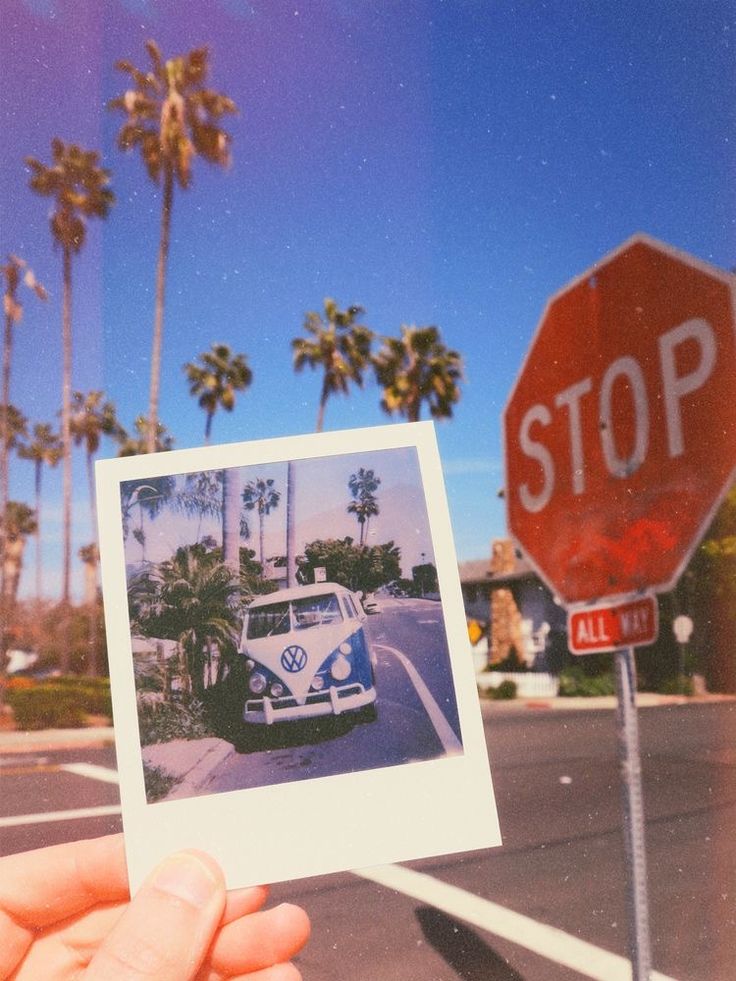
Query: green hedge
(505,691)
(575,682)
(60,703)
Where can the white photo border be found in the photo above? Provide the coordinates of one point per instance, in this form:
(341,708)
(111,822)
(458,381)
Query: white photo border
(326,824)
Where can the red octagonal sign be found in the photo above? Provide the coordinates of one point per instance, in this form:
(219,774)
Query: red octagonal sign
(620,431)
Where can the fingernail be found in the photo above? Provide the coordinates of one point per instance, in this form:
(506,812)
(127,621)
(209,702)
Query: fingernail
(186,877)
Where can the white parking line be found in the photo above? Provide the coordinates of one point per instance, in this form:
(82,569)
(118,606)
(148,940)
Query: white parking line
(546,941)
(91,770)
(450,742)
(83,812)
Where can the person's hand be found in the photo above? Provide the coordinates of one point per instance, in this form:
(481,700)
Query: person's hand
(65,913)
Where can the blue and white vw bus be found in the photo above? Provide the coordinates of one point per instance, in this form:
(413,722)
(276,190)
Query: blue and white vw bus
(306,655)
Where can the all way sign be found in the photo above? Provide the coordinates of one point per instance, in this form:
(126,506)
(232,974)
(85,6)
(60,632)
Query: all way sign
(595,629)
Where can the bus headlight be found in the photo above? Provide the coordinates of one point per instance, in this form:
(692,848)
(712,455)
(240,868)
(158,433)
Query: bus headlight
(277,689)
(257,683)
(318,683)
(340,669)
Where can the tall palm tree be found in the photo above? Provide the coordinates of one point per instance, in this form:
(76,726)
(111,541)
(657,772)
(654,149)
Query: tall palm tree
(91,418)
(171,117)
(363,486)
(80,189)
(260,495)
(216,379)
(338,344)
(416,368)
(44,448)
(14,272)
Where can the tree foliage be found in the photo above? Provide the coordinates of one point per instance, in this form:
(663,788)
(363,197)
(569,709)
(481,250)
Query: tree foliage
(216,379)
(354,566)
(364,505)
(339,345)
(417,368)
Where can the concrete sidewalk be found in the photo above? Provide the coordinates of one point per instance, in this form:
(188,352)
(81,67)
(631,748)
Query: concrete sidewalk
(44,740)
(601,702)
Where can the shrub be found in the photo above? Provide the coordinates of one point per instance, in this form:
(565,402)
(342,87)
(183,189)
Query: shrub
(162,721)
(679,685)
(58,703)
(159,782)
(46,707)
(505,691)
(575,682)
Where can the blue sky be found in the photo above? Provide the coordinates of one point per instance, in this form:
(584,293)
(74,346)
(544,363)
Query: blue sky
(437,162)
(320,509)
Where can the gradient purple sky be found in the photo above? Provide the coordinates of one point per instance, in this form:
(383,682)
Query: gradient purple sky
(437,162)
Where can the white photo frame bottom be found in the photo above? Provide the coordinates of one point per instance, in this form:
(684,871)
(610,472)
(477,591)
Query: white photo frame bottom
(319,713)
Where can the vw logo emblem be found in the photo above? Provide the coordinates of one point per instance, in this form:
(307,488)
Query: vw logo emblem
(294,658)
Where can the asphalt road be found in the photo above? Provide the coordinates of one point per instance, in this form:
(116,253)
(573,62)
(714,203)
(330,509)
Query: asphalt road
(558,790)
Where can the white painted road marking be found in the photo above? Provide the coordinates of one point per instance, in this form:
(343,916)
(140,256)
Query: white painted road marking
(556,945)
(91,770)
(450,742)
(83,812)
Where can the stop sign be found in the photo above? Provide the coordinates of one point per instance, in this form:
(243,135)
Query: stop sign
(620,432)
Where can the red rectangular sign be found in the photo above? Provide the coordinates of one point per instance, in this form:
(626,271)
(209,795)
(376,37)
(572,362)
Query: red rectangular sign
(596,629)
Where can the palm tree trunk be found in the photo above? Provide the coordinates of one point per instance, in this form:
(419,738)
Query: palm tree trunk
(92,667)
(231,519)
(321,410)
(208,428)
(5,429)
(37,482)
(158,325)
(290,526)
(261,519)
(66,436)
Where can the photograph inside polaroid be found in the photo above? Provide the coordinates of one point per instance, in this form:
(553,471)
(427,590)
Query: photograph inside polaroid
(292,680)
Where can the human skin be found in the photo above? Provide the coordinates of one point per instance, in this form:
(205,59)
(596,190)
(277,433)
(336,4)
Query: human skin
(66,913)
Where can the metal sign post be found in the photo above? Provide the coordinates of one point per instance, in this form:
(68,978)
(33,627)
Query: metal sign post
(633,806)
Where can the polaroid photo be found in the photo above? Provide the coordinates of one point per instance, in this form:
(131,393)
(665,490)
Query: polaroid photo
(293,686)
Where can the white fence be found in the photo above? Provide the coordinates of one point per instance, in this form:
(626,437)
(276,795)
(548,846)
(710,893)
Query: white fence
(529,684)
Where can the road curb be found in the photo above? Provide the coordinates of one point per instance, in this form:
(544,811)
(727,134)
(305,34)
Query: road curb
(190,762)
(490,706)
(45,740)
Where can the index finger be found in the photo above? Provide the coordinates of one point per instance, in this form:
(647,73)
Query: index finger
(44,886)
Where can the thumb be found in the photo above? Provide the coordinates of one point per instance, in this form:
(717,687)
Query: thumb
(169,925)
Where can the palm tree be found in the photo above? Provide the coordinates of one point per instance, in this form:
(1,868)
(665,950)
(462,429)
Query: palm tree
(14,425)
(139,443)
(171,118)
(417,368)
(363,486)
(14,272)
(150,496)
(340,345)
(260,495)
(194,604)
(79,187)
(44,448)
(216,380)
(20,523)
(91,418)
